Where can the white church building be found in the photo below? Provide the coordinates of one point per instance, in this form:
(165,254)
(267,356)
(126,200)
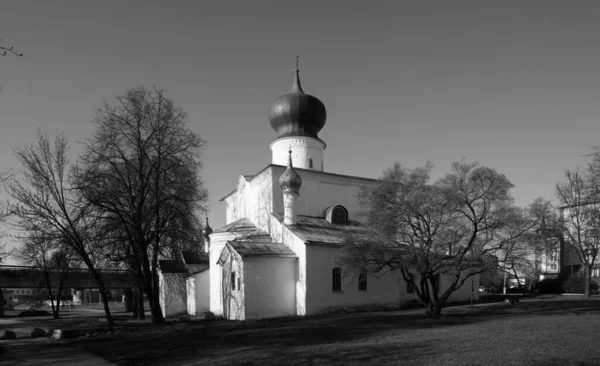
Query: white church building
(276,255)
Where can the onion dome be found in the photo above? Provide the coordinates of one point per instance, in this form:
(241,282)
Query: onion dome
(297,113)
(290,181)
(207,230)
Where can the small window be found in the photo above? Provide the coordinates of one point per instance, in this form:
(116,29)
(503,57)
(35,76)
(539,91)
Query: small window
(339,215)
(336,280)
(362,282)
(310,163)
(233,280)
(553,266)
(239,283)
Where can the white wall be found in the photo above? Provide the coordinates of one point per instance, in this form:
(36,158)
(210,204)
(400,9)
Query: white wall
(173,297)
(282,234)
(303,148)
(202,282)
(217,242)
(320,191)
(319,295)
(269,284)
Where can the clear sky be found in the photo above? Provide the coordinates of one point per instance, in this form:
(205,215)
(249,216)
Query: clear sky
(512,84)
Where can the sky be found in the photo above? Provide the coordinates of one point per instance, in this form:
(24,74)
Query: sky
(513,85)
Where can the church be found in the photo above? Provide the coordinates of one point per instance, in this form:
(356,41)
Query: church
(276,255)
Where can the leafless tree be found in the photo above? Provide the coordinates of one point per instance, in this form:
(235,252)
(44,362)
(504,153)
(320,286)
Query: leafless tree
(578,194)
(453,226)
(45,203)
(141,170)
(52,259)
(5,50)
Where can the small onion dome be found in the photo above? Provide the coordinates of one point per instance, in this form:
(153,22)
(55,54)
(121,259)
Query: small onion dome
(290,181)
(207,230)
(297,114)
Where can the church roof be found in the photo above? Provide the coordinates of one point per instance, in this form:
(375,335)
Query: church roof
(249,248)
(171,266)
(190,257)
(237,226)
(317,230)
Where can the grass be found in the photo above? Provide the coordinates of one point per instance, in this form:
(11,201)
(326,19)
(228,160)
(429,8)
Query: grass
(551,330)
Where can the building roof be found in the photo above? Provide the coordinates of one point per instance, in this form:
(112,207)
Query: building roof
(237,226)
(248,248)
(254,245)
(317,230)
(171,266)
(190,257)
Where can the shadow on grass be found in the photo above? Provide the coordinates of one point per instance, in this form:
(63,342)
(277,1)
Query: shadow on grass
(349,339)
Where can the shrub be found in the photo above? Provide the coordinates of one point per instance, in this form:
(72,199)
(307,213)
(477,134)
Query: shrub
(548,286)
(576,284)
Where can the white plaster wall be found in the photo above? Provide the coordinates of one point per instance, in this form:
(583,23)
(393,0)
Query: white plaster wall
(173,298)
(252,200)
(202,293)
(321,191)
(269,284)
(217,242)
(303,149)
(319,295)
(281,234)
(234,302)
(191,295)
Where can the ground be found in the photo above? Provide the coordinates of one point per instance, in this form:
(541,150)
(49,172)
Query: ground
(545,330)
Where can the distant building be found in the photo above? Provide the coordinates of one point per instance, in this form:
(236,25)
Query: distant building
(8,300)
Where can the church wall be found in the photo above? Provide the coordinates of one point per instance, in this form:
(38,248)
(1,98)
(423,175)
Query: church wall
(280,233)
(232,283)
(253,200)
(319,294)
(217,242)
(321,191)
(269,284)
(199,295)
(173,294)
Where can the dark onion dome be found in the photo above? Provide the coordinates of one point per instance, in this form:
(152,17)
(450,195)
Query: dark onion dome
(297,113)
(290,181)
(207,230)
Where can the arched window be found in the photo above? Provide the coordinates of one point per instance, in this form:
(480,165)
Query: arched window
(362,281)
(337,215)
(336,279)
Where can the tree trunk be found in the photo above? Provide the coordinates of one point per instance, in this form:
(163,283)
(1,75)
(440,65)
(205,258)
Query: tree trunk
(588,280)
(139,303)
(103,293)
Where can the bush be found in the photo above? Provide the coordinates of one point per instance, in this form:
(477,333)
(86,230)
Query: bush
(576,285)
(548,286)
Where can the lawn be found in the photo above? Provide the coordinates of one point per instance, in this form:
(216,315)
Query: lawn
(552,331)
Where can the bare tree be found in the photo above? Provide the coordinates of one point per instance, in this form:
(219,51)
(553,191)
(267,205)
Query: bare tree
(5,50)
(454,227)
(53,260)
(141,170)
(581,218)
(46,205)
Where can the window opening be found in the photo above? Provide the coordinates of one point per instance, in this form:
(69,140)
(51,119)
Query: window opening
(336,283)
